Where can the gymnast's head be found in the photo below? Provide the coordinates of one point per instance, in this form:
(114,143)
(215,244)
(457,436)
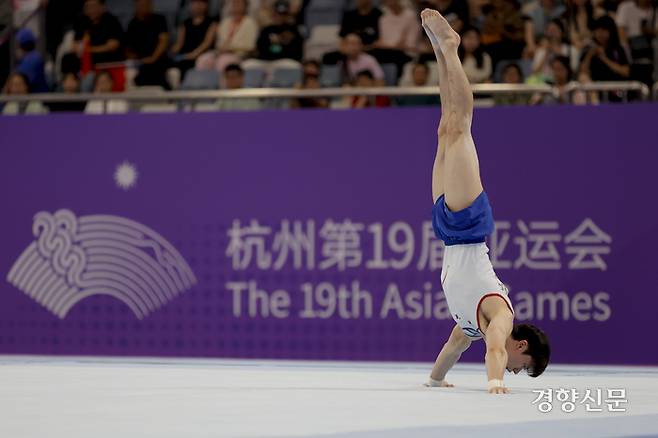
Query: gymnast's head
(527,349)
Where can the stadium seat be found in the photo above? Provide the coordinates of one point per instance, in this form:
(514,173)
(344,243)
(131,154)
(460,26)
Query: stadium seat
(124,10)
(351,4)
(87,82)
(200,80)
(323,39)
(254,77)
(286,77)
(168,8)
(390,74)
(331,76)
(321,12)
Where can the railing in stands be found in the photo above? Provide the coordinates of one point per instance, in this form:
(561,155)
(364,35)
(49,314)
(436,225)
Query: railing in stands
(268,93)
(624,87)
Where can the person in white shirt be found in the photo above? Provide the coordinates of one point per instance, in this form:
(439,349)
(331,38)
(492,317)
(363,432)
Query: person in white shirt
(636,18)
(398,35)
(475,61)
(236,38)
(103,84)
(551,45)
(356,60)
(17,84)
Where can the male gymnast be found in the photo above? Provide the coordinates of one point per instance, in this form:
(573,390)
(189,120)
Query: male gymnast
(462,218)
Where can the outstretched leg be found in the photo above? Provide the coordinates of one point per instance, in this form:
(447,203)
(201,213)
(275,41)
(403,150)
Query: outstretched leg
(438,185)
(460,170)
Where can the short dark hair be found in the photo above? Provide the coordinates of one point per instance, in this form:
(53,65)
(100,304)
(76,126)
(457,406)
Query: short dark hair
(566,63)
(608,23)
(312,62)
(422,65)
(233,67)
(538,347)
(25,79)
(99,74)
(513,65)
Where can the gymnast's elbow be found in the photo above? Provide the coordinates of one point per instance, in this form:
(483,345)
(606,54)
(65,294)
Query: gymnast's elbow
(496,352)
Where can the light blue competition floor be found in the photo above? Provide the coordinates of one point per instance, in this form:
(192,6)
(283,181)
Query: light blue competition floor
(45,397)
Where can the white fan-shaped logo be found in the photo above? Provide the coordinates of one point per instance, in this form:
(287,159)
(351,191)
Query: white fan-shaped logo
(75,258)
(125,176)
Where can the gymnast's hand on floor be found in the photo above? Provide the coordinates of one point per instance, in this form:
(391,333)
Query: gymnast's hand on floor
(499,390)
(438,384)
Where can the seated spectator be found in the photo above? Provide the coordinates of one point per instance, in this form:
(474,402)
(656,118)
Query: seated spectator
(502,30)
(512,75)
(476,62)
(420,77)
(353,60)
(70,64)
(580,20)
(456,12)
(553,44)
(103,84)
(234,80)
(31,62)
(195,36)
(363,21)
(236,38)
(311,67)
(280,40)
(147,39)
(70,85)
(398,35)
(17,85)
(562,75)
(538,18)
(99,34)
(365,79)
(604,59)
(310,81)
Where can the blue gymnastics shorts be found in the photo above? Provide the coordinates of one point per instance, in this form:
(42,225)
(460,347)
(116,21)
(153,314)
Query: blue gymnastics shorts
(470,225)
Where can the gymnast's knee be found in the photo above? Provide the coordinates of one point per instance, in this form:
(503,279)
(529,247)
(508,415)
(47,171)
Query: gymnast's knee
(457,128)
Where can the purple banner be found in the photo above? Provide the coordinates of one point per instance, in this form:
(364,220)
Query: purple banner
(307,235)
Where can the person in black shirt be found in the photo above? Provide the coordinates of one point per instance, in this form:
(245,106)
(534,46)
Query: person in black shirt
(605,59)
(70,85)
(146,40)
(363,21)
(281,40)
(61,15)
(195,36)
(103,30)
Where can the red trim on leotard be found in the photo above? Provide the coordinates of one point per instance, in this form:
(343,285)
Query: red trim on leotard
(477,311)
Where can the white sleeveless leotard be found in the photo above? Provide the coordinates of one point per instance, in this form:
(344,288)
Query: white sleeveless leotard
(467,277)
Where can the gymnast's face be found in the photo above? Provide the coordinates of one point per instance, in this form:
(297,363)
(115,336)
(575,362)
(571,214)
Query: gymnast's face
(516,359)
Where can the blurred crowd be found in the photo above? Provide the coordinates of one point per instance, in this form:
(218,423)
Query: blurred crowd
(114,45)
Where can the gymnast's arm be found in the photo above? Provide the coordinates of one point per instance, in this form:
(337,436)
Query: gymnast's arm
(457,343)
(495,359)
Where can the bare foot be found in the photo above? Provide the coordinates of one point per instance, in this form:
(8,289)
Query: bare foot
(439,30)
